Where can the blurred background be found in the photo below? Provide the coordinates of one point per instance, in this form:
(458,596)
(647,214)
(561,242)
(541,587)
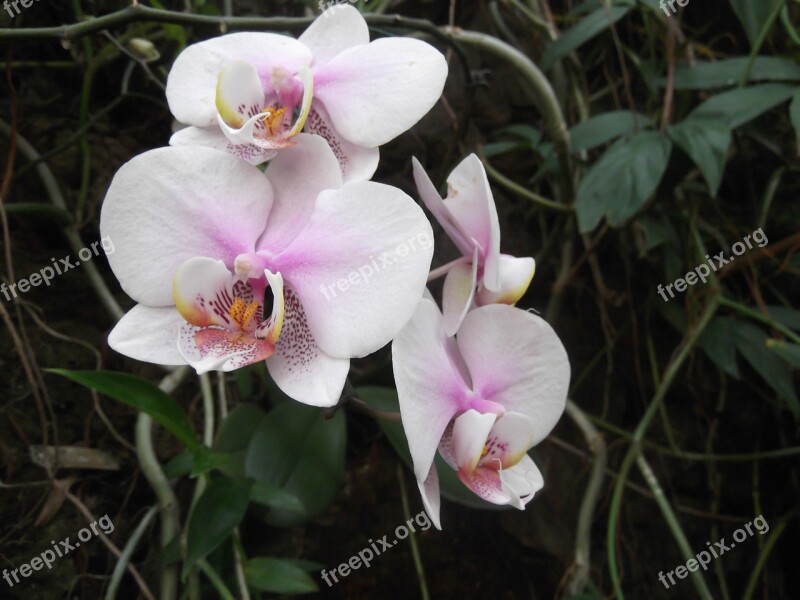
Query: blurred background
(663,135)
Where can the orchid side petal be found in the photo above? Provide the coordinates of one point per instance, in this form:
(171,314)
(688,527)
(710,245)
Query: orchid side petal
(434,203)
(527,370)
(359,266)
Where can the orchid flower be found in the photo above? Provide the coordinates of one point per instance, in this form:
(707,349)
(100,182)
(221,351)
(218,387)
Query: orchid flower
(252,93)
(482,399)
(206,243)
(469,217)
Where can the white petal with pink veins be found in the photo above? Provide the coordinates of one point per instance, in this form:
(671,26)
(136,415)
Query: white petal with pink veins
(203,292)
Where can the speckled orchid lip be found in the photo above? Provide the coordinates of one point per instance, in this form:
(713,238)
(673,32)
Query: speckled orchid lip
(250,117)
(225,328)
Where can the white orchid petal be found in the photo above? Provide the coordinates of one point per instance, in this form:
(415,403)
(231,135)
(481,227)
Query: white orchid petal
(337,29)
(375,92)
(299,367)
(148,334)
(359,266)
(459,293)
(429,387)
(175,203)
(527,370)
(358,163)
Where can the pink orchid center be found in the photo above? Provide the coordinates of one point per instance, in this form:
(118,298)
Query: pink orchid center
(486,440)
(224,313)
(267,112)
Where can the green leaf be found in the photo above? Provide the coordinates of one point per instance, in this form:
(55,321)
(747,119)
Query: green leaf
(206,459)
(656,229)
(794,113)
(497,148)
(622,180)
(218,511)
(788,352)
(706,141)
(708,75)
(274,497)
(754,15)
(527,132)
(737,107)
(234,437)
(385,399)
(296,449)
(751,341)
(590,26)
(278,576)
(719,343)
(599,129)
(179,465)
(788,317)
(141,395)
